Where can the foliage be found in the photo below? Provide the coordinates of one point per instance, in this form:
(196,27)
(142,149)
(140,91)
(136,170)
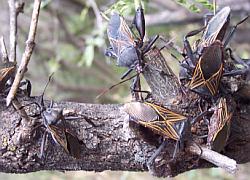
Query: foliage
(194,5)
(124,7)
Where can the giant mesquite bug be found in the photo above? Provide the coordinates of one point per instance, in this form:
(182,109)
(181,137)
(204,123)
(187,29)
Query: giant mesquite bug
(127,49)
(219,125)
(54,123)
(162,121)
(204,66)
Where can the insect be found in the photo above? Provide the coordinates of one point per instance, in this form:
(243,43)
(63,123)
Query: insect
(214,30)
(60,134)
(162,121)
(127,49)
(206,77)
(206,60)
(54,123)
(219,126)
(7,70)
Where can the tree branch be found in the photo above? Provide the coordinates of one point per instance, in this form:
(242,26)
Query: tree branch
(111,144)
(13,30)
(181,16)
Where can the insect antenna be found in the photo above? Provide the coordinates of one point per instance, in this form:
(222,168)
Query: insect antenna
(41,100)
(115,85)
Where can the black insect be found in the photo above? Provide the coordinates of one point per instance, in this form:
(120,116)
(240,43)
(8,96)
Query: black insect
(206,62)
(54,123)
(162,121)
(219,125)
(127,49)
(206,76)
(214,30)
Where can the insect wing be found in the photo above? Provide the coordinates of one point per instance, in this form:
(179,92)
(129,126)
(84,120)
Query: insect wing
(219,127)
(73,144)
(112,31)
(119,34)
(216,27)
(140,111)
(5,74)
(159,119)
(224,116)
(209,69)
(161,127)
(146,116)
(165,125)
(221,138)
(125,33)
(212,66)
(167,114)
(59,136)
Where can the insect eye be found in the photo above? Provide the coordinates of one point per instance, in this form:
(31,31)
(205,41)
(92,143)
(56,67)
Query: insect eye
(49,110)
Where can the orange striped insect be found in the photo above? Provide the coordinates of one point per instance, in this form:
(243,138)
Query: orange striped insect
(7,70)
(159,119)
(204,65)
(162,121)
(208,71)
(219,126)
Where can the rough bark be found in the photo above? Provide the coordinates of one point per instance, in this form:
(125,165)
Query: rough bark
(111,144)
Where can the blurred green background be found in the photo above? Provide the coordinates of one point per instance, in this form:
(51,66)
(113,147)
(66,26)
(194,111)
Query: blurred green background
(71,41)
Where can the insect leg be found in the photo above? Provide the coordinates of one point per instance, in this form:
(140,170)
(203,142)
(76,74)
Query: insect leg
(238,60)
(115,85)
(136,88)
(200,116)
(150,44)
(148,94)
(43,143)
(151,160)
(177,145)
(236,72)
(233,31)
(127,73)
(187,45)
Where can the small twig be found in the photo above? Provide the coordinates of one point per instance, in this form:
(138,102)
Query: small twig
(4,51)
(30,44)
(97,13)
(214,4)
(215,158)
(13,30)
